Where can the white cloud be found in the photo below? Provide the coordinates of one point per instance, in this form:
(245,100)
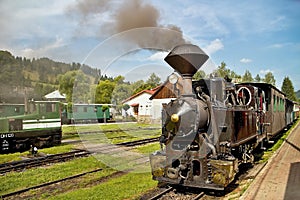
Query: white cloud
(211,48)
(43,50)
(245,60)
(214,46)
(265,71)
(158,56)
(280,45)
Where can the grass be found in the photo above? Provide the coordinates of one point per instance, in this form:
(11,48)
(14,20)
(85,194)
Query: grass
(148,148)
(119,136)
(18,156)
(105,127)
(85,181)
(119,132)
(15,180)
(12,157)
(129,186)
(57,149)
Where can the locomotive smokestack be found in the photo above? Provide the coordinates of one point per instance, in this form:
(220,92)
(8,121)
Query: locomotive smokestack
(186,59)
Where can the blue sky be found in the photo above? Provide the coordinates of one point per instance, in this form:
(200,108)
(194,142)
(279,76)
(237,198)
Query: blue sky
(259,36)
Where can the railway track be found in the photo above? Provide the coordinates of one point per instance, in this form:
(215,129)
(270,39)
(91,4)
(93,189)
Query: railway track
(107,146)
(138,142)
(172,193)
(39,161)
(62,157)
(48,183)
(113,131)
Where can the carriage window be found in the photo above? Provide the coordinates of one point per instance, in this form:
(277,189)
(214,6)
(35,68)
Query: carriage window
(17,109)
(274,103)
(84,109)
(49,108)
(282,104)
(278,104)
(41,107)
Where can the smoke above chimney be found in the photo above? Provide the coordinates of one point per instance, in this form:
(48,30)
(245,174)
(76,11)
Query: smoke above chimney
(119,16)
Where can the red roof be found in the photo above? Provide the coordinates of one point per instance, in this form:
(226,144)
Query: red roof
(151,92)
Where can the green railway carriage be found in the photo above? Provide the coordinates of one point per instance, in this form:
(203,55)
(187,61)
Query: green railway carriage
(7,109)
(40,127)
(86,113)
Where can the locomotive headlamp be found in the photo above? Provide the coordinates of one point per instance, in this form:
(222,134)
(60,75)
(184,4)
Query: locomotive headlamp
(174,118)
(173,78)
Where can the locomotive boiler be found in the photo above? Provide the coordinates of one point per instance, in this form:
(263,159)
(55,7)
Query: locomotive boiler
(210,129)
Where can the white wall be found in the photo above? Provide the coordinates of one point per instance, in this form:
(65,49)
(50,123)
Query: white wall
(157,107)
(147,107)
(144,104)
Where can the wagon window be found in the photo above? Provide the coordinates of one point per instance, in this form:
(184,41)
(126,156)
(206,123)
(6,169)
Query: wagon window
(42,108)
(274,103)
(281,105)
(85,109)
(278,104)
(49,107)
(17,109)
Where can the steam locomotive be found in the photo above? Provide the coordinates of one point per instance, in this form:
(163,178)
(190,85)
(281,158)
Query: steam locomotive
(214,125)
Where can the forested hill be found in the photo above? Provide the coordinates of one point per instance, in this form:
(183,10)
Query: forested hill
(298,94)
(38,75)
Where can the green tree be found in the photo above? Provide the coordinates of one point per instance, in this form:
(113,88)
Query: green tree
(104,91)
(119,79)
(288,88)
(81,88)
(234,75)
(257,78)
(269,78)
(66,83)
(222,71)
(75,84)
(121,92)
(200,74)
(247,77)
(153,81)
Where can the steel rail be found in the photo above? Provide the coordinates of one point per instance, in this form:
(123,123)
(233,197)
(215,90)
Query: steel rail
(39,161)
(48,183)
(161,193)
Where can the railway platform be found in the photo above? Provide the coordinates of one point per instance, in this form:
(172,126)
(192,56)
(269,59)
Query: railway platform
(280,179)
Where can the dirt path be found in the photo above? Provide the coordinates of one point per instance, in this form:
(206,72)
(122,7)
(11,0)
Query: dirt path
(280,179)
